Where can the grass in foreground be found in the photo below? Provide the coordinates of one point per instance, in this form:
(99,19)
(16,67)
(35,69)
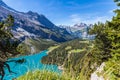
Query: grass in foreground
(45,75)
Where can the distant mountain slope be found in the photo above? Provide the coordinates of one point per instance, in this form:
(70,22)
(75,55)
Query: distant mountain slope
(79,30)
(32,24)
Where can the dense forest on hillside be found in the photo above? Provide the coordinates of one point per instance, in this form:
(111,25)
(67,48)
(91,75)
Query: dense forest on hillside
(69,54)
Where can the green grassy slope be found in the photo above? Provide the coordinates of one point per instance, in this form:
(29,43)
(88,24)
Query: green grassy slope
(37,45)
(69,55)
(45,75)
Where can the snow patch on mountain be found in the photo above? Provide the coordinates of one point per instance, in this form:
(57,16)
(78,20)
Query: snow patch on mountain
(20,32)
(79,30)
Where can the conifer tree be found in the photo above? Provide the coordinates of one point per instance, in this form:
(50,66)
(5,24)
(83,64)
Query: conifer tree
(107,45)
(8,44)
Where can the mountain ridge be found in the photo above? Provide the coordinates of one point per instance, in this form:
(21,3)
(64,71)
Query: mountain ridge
(35,24)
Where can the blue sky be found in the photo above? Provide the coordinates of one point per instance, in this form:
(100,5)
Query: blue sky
(67,12)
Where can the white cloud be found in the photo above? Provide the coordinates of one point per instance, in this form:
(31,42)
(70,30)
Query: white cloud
(76,18)
(97,19)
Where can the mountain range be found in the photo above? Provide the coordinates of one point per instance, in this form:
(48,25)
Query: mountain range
(79,30)
(32,24)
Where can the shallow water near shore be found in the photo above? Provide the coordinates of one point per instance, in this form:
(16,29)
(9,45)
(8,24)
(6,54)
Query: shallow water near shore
(31,63)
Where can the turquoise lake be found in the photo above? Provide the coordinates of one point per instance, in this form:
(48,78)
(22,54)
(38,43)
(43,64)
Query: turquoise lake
(32,63)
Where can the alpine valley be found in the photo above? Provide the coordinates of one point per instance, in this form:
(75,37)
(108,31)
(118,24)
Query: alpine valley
(34,48)
(31,28)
